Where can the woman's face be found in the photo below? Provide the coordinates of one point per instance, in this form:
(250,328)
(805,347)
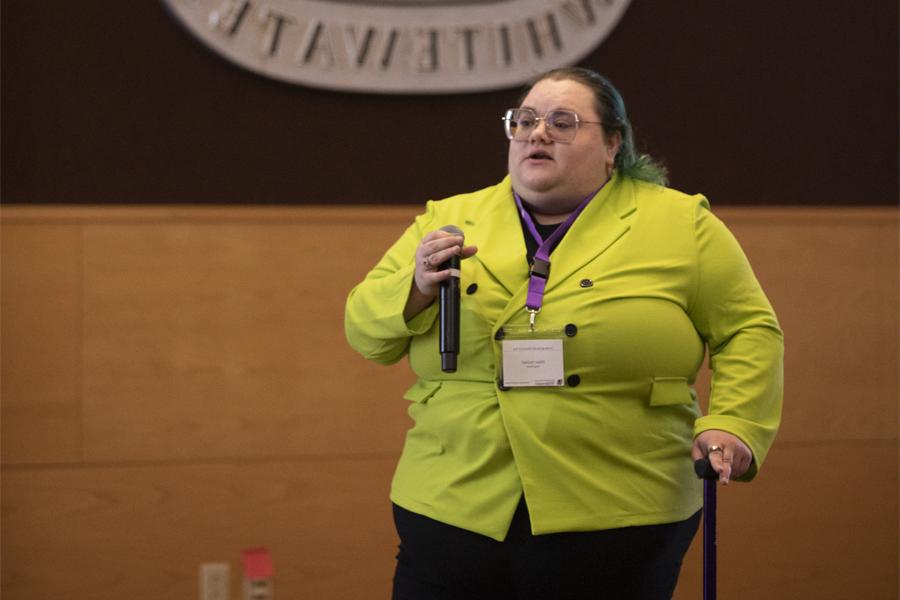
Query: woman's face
(551,175)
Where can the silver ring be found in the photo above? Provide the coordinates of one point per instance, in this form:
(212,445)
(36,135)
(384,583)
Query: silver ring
(712,449)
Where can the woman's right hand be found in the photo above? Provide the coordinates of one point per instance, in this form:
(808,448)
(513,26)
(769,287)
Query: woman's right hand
(435,249)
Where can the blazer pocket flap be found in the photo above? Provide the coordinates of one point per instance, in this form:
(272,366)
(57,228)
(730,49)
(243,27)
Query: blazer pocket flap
(670,391)
(422,390)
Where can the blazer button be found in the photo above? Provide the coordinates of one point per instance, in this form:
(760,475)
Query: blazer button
(573,380)
(571,330)
(500,334)
(471,289)
(586,283)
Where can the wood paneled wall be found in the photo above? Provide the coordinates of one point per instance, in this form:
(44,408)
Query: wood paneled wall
(176,387)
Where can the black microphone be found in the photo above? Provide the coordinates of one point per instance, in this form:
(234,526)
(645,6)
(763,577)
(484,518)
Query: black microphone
(449,308)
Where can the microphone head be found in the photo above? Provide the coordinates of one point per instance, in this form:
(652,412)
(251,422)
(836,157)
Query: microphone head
(454,230)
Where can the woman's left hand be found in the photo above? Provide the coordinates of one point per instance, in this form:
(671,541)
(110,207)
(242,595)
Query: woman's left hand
(729,456)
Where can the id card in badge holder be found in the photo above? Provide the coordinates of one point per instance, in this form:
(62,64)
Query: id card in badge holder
(533,358)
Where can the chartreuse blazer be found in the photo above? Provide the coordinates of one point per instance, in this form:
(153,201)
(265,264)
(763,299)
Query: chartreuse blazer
(650,279)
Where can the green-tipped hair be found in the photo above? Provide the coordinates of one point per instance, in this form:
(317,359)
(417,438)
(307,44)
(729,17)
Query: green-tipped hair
(611,108)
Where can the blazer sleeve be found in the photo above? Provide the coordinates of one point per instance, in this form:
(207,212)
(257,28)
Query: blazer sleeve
(373,316)
(746,344)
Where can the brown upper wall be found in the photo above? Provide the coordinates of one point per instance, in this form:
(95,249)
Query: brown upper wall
(748,102)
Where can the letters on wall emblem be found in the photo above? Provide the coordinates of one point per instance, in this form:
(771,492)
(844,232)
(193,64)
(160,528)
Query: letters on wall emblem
(401,46)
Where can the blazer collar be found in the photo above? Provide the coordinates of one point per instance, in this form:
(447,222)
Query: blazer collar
(602,223)
(498,234)
(501,245)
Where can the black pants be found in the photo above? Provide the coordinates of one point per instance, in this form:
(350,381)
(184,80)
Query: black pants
(441,562)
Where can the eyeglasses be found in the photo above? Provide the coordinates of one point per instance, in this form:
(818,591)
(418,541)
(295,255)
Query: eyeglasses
(560,125)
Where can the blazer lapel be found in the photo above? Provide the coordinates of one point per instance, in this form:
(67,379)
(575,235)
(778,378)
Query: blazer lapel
(602,224)
(501,247)
(498,234)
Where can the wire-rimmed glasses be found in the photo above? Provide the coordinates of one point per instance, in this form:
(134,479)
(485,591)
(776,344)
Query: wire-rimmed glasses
(560,125)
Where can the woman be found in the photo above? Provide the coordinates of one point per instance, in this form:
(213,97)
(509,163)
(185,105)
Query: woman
(556,461)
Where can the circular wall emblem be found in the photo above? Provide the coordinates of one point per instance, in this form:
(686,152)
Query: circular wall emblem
(401,46)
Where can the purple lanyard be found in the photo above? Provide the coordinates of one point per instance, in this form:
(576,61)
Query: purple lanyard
(540,267)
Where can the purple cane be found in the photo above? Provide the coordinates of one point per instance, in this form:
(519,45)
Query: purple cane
(710,478)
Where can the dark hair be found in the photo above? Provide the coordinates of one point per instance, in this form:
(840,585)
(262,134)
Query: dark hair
(611,108)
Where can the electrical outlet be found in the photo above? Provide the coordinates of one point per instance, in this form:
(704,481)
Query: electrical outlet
(214,581)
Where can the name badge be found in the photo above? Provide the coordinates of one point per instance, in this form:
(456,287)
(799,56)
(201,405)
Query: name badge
(533,363)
